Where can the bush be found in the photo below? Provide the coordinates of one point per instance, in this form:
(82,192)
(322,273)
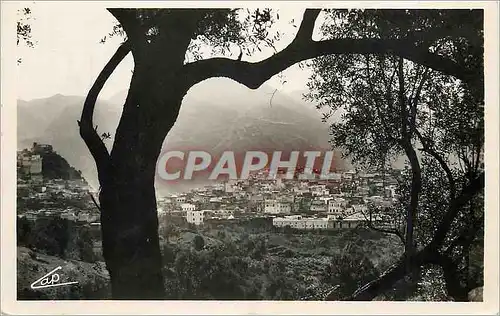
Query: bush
(255,247)
(58,237)
(288,253)
(349,269)
(198,242)
(209,275)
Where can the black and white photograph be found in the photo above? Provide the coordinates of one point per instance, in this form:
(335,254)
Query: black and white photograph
(250,152)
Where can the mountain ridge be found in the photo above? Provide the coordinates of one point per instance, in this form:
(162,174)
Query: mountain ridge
(216,115)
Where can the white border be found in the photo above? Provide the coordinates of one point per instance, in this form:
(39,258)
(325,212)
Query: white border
(8,188)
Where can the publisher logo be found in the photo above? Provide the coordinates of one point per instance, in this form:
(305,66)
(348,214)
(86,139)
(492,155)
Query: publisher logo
(51,279)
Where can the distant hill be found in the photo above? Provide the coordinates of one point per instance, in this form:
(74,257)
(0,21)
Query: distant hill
(54,121)
(216,115)
(56,167)
(53,165)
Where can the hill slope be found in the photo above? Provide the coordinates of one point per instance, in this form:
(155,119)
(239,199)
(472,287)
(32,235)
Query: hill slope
(92,278)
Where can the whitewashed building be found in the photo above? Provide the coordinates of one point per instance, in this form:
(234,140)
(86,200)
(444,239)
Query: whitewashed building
(186,207)
(272,206)
(299,222)
(195,217)
(318,206)
(337,206)
(180,199)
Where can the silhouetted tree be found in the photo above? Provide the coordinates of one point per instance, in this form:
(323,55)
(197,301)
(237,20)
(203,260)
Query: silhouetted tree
(393,107)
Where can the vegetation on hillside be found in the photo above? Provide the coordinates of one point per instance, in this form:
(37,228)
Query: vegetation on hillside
(56,167)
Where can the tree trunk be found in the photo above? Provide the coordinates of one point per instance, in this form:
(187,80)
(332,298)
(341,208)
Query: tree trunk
(130,238)
(128,202)
(129,221)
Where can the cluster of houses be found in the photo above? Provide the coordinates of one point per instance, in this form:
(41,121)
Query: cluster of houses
(343,201)
(46,198)
(315,223)
(71,214)
(68,199)
(29,162)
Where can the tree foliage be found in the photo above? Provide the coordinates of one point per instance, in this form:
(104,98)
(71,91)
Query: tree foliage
(57,236)
(392,107)
(24,37)
(217,32)
(24,27)
(455,34)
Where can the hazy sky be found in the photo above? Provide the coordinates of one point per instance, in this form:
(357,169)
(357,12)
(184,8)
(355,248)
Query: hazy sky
(68,56)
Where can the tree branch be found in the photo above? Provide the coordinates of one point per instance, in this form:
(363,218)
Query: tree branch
(393,274)
(467,236)
(411,262)
(129,21)
(416,98)
(87,131)
(253,75)
(428,255)
(377,100)
(387,231)
(95,202)
(403,111)
(416,180)
(306,28)
(431,151)
(369,224)
(465,196)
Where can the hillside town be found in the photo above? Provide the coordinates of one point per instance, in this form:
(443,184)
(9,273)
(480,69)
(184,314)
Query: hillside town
(40,196)
(346,200)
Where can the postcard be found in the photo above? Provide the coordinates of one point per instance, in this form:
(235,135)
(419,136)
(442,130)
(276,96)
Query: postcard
(213,157)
